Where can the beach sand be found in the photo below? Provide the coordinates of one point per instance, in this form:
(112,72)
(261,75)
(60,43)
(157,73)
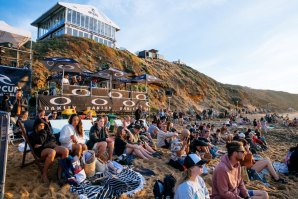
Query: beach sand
(26,182)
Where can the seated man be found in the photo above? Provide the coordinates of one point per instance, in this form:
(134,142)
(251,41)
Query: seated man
(99,140)
(227,181)
(163,138)
(179,150)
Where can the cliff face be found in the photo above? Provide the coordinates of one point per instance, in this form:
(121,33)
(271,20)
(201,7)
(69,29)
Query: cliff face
(191,88)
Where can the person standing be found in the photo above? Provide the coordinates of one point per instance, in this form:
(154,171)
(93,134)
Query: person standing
(19,104)
(6,104)
(227,182)
(138,112)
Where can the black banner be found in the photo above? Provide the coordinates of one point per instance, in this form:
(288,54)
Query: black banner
(13,78)
(97,103)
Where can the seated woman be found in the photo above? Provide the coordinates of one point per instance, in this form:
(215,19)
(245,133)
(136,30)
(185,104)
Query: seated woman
(45,146)
(170,127)
(99,140)
(135,139)
(72,136)
(122,146)
(259,165)
(179,150)
(192,185)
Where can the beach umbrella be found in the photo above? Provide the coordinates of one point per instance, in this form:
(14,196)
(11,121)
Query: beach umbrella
(110,73)
(62,64)
(69,111)
(146,79)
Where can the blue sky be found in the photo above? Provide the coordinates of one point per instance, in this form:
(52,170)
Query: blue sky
(250,43)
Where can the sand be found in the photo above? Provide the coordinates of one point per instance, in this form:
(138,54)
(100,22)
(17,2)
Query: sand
(26,182)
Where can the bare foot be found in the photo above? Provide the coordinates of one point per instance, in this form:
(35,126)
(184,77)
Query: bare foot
(45,179)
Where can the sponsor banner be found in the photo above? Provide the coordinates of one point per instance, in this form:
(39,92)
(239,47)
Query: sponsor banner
(13,78)
(97,103)
(102,92)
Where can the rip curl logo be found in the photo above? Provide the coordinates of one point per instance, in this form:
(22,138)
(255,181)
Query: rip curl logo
(4,79)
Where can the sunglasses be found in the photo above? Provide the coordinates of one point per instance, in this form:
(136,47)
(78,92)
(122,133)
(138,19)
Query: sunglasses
(241,151)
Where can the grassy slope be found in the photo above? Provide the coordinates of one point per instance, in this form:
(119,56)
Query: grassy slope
(191,88)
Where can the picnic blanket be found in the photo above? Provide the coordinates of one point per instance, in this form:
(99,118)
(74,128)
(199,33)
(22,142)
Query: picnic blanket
(108,185)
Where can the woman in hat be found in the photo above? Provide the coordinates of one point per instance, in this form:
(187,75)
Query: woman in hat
(192,185)
(45,146)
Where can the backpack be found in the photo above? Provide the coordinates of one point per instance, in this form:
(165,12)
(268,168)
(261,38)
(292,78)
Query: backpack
(165,189)
(169,184)
(72,172)
(293,160)
(158,189)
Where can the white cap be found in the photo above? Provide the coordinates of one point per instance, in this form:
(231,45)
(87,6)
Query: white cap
(241,135)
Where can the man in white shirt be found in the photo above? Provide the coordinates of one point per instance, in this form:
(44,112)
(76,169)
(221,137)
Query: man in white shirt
(65,79)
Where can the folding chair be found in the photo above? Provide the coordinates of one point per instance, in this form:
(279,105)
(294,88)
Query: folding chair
(26,128)
(12,131)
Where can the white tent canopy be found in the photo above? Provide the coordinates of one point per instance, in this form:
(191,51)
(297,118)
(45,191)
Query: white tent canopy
(16,36)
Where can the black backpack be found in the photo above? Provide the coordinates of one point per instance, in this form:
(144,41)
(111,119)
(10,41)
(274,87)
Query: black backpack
(169,185)
(158,189)
(165,189)
(293,161)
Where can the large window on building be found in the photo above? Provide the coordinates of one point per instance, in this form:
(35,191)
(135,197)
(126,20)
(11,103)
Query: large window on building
(75,32)
(95,25)
(82,21)
(87,22)
(98,27)
(91,23)
(78,19)
(69,15)
(69,31)
(74,17)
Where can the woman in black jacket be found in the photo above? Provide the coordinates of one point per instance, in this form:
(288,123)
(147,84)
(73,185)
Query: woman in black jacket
(99,140)
(45,146)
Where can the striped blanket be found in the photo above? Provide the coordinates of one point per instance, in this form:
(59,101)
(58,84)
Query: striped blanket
(108,185)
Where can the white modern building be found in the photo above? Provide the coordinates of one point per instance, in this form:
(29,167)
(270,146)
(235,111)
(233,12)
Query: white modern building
(76,20)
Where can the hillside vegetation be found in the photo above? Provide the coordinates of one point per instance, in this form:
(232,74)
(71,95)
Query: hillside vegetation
(191,88)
